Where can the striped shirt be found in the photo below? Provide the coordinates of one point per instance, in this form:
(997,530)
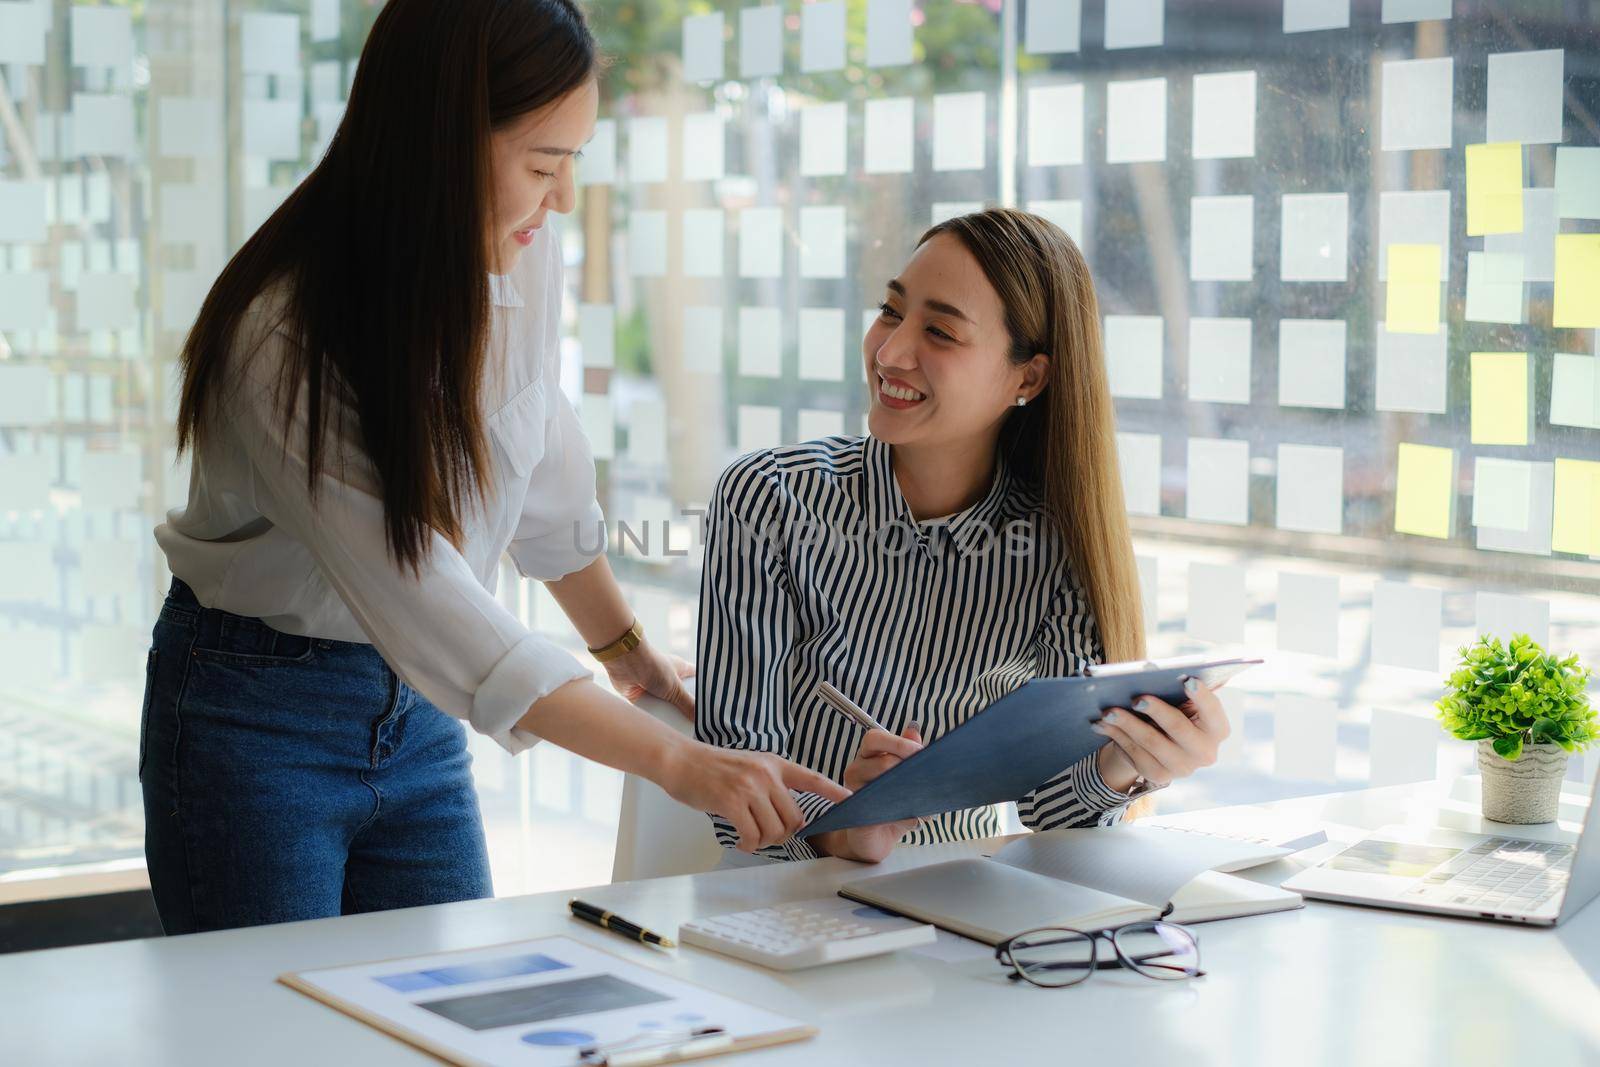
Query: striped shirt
(815,570)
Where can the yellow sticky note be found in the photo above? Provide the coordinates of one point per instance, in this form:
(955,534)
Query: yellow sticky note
(1413,299)
(1425,489)
(1494,188)
(1577,281)
(1576,524)
(1499,398)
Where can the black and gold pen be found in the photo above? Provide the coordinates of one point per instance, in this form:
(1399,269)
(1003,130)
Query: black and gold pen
(617,924)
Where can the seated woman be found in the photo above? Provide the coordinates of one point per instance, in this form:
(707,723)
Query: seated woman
(976,539)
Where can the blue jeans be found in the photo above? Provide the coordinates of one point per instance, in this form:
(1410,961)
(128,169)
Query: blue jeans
(293,778)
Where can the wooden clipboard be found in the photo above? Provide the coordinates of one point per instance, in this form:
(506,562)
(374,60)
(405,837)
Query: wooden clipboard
(297,981)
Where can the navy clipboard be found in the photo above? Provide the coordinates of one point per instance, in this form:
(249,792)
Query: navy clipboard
(1019,742)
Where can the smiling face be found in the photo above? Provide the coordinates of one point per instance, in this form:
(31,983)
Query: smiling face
(533,159)
(938,354)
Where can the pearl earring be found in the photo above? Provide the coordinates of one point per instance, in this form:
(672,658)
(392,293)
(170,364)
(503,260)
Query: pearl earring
(1022,401)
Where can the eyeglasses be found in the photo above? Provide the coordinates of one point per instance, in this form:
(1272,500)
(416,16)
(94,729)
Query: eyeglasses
(1053,957)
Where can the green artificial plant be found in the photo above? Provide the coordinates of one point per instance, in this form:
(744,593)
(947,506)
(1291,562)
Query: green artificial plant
(1518,695)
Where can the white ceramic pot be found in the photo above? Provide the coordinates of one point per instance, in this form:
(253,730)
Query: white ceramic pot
(1523,790)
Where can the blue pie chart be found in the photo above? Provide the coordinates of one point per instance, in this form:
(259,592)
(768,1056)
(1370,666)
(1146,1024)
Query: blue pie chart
(558,1038)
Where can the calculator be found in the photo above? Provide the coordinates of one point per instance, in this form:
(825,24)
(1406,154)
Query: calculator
(790,937)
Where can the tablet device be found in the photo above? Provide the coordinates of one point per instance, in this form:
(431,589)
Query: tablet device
(1016,744)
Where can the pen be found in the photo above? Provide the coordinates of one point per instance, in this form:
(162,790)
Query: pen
(844,706)
(617,924)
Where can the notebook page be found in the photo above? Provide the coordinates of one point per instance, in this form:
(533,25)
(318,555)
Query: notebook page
(1143,863)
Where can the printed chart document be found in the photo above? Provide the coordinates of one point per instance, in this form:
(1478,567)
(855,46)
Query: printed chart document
(542,1002)
(1082,879)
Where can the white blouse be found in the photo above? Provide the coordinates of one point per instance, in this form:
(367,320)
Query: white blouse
(252,541)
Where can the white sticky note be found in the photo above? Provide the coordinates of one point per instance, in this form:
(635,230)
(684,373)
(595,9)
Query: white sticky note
(25,390)
(1219,360)
(111,568)
(702,242)
(1536,244)
(1535,541)
(704,141)
(888,33)
(702,339)
(22,212)
(647,432)
(1052,26)
(1415,10)
(1414,218)
(1494,287)
(1305,738)
(599,163)
(1135,23)
(1405,625)
(190,126)
(22,28)
(102,125)
(1578,183)
(822,242)
(1574,391)
(1418,109)
(1139,457)
(822,139)
(1308,613)
(30,571)
(597,334)
(102,37)
(949,209)
(1225,115)
(1301,16)
(1411,371)
(1222,238)
(1315,237)
(702,48)
(1055,125)
(647,149)
(1502,493)
(1216,603)
(599,425)
(960,131)
(269,43)
(106,301)
(888,136)
(647,243)
(822,36)
(25,481)
(759,427)
(1067,214)
(1149,586)
(111,480)
(324,20)
(182,293)
(822,344)
(1311,358)
(760,342)
(1404,746)
(327,83)
(272,129)
(1219,481)
(1134,345)
(24,302)
(1136,121)
(1504,616)
(761,242)
(761,41)
(1525,96)
(1311,488)
(816,424)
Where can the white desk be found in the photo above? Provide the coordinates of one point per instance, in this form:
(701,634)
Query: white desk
(1328,984)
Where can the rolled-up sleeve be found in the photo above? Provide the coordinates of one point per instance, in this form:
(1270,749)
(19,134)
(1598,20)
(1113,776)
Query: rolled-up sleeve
(439,629)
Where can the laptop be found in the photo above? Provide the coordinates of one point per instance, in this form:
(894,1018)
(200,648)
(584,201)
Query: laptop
(1496,876)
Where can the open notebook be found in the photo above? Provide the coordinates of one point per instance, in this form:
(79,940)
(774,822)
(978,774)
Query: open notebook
(1083,879)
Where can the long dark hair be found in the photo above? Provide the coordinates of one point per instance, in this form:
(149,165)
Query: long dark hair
(383,248)
(1064,442)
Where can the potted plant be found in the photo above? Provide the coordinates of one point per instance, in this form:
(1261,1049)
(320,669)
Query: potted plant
(1526,709)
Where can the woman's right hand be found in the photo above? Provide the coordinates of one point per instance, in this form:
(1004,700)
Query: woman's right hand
(749,789)
(879,751)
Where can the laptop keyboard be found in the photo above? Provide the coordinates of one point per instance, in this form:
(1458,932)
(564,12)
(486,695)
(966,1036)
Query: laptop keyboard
(1498,875)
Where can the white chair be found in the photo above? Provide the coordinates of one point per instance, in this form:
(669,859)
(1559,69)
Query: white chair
(657,836)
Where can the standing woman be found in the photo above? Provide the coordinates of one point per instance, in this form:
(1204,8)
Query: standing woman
(370,393)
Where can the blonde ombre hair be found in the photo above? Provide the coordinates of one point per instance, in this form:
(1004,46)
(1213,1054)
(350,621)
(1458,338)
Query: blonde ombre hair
(1064,441)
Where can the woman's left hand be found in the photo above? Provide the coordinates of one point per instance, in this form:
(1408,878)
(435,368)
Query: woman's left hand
(1176,744)
(648,670)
